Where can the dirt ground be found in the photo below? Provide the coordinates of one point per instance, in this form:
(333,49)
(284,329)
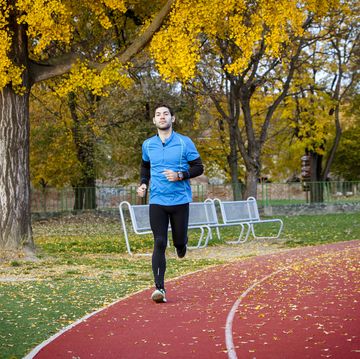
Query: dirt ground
(234,251)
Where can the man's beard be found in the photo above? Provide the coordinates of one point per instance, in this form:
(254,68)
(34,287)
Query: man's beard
(164,126)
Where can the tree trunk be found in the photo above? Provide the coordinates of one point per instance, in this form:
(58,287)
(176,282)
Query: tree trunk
(232,159)
(79,198)
(251,179)
(85,195)
(84,139)
(335,145)
(250,151)
(233,119)
(316,184)
(90,195)
(15,219)
(15,223)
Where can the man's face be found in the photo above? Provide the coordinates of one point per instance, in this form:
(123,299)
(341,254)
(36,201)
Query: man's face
(163,119)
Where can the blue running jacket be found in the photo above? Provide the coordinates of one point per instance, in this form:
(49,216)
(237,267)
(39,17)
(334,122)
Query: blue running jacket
(173,155)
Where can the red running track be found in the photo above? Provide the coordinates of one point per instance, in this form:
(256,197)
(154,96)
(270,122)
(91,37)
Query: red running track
(302,303)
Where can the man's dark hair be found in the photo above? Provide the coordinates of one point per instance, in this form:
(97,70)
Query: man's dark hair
(164,105)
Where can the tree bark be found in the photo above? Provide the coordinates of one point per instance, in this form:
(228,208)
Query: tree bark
(15,221)
(335,145)
(251,179)
(15,227)
(251,151)
(316,185)
(232,159)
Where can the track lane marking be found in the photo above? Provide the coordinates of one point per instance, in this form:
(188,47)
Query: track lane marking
(229,320)
(230,347)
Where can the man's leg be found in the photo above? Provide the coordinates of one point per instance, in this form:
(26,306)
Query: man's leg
(179,219)
(159,222)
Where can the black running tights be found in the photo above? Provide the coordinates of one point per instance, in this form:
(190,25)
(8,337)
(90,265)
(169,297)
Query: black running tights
(160,216)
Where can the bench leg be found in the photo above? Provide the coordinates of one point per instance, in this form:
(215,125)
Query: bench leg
(199,245)
(208,236)
(124,226)
(240,240)
(268,237)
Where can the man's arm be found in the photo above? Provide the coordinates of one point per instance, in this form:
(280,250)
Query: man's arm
(144,178)
(145,172)
(196,169)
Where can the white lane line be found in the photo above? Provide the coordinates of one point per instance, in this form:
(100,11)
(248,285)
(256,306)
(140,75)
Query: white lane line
(229,320)
(37,349)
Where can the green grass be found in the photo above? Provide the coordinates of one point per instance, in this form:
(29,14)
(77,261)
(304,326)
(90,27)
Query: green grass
(320,229)
(83,266)
(32,311)
(308,230)
(295,201)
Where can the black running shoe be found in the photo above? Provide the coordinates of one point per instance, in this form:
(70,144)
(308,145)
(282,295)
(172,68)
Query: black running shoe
(181,252)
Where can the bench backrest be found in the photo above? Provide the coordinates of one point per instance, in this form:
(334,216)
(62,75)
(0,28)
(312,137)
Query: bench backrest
(139,214)
(239,211)
(200,213)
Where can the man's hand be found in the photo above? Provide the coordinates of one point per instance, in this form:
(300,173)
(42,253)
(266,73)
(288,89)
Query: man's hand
(171,176)
(141,190)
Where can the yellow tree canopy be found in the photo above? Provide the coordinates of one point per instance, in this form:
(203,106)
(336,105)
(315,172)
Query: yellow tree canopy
(60,32)
(196,24)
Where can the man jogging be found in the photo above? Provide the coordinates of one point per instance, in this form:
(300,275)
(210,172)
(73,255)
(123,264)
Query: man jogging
(169,160)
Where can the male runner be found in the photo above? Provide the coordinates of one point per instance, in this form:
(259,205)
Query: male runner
(169,160)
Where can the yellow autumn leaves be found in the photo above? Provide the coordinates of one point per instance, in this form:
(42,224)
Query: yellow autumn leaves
(8,71)
(192,24)
(82,76)
(47,23)
(177,48)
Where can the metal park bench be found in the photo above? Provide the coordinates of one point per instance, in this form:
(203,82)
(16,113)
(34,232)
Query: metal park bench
(202,216)
(245,213)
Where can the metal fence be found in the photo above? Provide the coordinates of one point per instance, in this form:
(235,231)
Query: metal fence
(297,193)
(268,194)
